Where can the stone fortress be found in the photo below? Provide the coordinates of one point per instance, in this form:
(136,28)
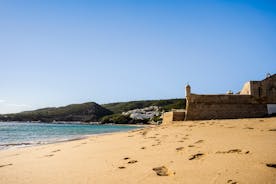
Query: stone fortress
(256,99)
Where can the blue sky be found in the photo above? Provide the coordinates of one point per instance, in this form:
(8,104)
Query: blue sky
(57,52)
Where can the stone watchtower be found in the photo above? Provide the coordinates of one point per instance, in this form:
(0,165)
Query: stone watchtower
(188,90)
(188,94)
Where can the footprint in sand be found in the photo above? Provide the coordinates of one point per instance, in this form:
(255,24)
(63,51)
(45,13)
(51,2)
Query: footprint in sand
(5,165)
(157,144)
(232,151)
(231,127)
(274,129)
(179,148)
(56,151)
(196,156)
(191,146)
(249,128)
(144,133)
(143,147)
(126,158)
(199,141)
(232,182)
(271,165)
(163,171)
(50,155)
(121,167)
(132,161)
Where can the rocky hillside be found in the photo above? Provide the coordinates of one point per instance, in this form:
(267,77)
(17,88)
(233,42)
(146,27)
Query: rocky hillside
(87,112)
(144,113)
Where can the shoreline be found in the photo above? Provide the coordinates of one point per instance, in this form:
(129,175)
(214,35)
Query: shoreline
(213,151)
(74,123)
(20,145)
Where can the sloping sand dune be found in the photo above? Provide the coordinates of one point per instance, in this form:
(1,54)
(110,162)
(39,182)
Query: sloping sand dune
(214,151)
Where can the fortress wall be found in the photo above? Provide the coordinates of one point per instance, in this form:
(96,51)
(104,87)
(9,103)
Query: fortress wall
(265,89)
(167,117)
(201,107)
(269,88)
(178,116)
(229,99)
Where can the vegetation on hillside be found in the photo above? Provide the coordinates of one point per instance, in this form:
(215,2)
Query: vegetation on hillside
(121,119)
(166,105)
(86,112)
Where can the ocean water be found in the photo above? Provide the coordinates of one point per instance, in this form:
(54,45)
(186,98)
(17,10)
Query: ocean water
(18,134)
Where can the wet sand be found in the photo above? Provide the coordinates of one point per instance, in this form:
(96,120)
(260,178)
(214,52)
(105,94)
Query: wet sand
(214,151)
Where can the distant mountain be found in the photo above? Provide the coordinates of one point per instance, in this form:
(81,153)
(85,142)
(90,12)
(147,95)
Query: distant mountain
(166,105)
(93,112)
(86,112)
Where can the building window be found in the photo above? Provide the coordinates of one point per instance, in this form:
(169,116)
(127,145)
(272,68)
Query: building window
(260,91)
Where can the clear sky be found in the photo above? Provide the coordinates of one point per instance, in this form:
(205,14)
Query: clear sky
(56,52)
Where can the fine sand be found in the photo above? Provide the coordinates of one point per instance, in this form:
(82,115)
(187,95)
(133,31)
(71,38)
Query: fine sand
(214,151)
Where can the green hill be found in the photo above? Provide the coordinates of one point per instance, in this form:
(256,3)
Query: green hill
(86,112)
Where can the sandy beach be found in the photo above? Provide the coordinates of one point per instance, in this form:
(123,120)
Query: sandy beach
(214,151)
